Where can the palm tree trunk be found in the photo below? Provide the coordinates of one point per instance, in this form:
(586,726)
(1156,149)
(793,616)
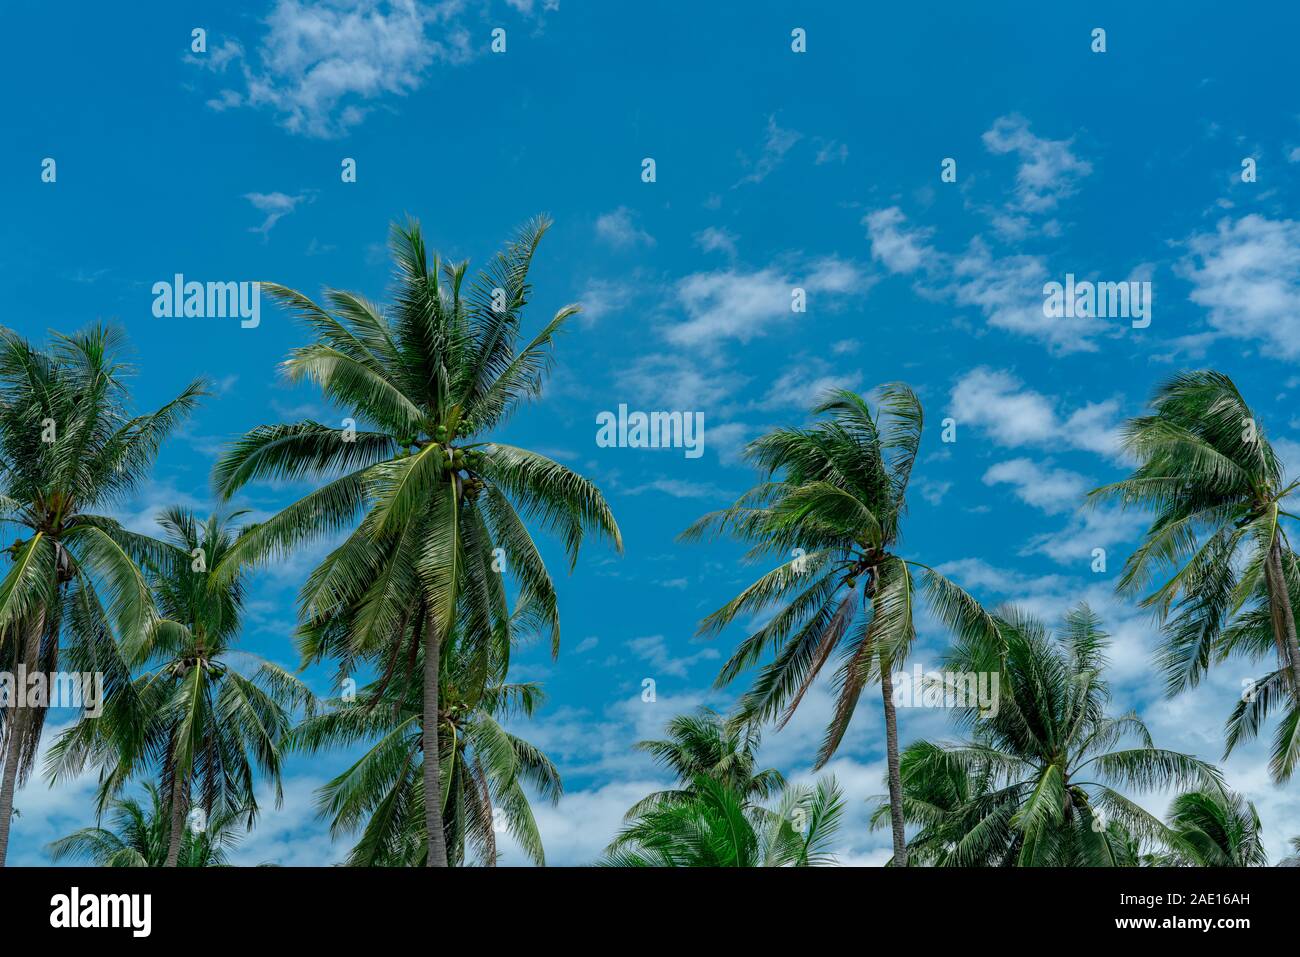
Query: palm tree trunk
(437,842)
(1283,614)
(18,715)
(179,800)
(891,759)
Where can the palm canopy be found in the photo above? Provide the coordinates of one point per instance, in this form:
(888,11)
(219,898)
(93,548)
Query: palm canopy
(203,715)
(1214,829)
(832,505)
(425,381)
(71,449)
(1038,781)
(138,837)
(705,744)
(714,826)
(1216,555)
(486,770)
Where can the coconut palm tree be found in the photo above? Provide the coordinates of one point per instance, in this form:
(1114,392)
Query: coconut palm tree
(140,837)
(708,745)
(436,510)
(714,826)
(1036,783)
(1218,545)
(192,716)
(485,767)
(832,505)
(70,448)
(1214,829)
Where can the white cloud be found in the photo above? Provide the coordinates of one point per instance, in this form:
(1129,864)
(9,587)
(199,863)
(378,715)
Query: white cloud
(999,404)
(806,383)
(831,151)
(902,248)
(1052,490)
(1088,528)
(717,239)
(1006,289)
(740,305)
(680,488)
(321,66)
(1048,168)
(601,297)
(668,381)
(618,228)
(1247,275)
(653,649)
(275,205)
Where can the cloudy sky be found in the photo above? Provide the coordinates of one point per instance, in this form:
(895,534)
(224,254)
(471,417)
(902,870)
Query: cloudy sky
(774,170)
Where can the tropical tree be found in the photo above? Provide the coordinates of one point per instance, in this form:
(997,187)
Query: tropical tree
(141,837)
(714,826)
(71,448)
(485,767)
(1214,828)
(832,504)
(1217,547)
(1037,782)
(436,510)
(191,716)
(705,744)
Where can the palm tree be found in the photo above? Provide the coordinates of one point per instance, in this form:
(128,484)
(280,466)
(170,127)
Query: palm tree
(70,447)
(440,505)
(705,744)
(485,766)
(714,826)
(1207,471)
(833,503)
(1214,829)
(141,837)
(192,716)
(1036,782)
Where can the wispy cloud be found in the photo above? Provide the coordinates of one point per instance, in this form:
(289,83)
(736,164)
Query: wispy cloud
(776,144)
(618,228)
(321,67)
(276,206)
(742,305)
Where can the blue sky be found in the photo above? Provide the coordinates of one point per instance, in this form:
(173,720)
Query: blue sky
(774,170)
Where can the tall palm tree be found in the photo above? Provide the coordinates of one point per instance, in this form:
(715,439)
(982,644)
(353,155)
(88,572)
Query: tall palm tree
(485,767)
(714,826)
(70,448)
(705,744)
(1214,829)
(425,381)
(833,504)
(1218,543)
(140,837)
(192,716)
(1042,770)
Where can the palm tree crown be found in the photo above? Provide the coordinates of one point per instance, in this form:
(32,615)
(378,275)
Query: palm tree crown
(832,506)
(1217,546)
(441,508)
(1037,782)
